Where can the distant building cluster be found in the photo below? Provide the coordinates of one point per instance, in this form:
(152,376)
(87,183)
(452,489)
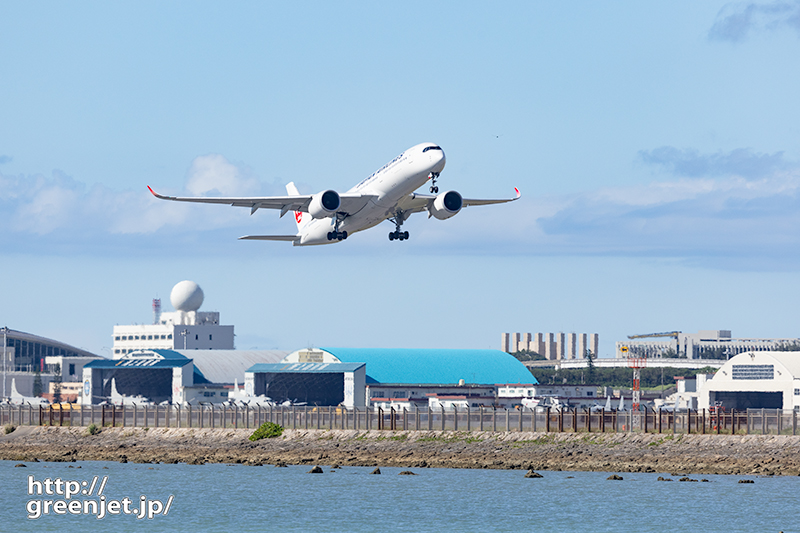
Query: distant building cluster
(705,344)
(553,346)
(187,358)
(185,329)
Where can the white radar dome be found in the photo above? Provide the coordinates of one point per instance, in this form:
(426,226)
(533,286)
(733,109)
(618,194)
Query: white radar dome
(186,296)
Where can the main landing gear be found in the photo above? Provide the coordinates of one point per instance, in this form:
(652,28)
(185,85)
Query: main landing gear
(434,188)
(398,219)
(337,235)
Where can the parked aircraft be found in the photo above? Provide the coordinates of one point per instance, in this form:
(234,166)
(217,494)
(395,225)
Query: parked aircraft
(387,194)
(241,396)
(120,399)
(607,407)
(530,403)
(19,399)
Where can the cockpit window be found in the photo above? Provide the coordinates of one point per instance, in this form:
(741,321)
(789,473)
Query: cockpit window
(430,148)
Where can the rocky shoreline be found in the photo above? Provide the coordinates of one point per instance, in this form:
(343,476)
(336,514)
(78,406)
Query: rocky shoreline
(607,452)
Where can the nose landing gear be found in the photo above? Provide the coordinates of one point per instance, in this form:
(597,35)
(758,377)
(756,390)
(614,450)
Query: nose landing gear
(434,188)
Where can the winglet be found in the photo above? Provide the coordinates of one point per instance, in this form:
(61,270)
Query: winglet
(159,196)
(155,193)
(515,190)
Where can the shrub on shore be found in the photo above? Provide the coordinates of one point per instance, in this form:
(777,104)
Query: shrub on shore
(267,430)
(92,429)
(10,428)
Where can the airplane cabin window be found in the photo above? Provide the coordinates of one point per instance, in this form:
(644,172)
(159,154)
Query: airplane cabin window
(430,148)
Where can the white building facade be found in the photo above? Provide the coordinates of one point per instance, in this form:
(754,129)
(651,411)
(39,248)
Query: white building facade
(755,380)
(705,344)
(180,330)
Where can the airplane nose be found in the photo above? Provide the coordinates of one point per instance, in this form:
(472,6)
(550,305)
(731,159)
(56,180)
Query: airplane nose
(439,160)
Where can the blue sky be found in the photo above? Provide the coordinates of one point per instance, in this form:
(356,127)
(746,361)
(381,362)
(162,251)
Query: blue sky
(656,147)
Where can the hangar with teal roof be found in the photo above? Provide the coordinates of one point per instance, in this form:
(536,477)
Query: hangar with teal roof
(329,376)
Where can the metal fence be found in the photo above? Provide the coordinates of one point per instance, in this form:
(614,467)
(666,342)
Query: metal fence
(751,421)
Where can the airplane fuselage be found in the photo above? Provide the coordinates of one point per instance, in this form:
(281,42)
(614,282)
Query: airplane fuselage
(388,185)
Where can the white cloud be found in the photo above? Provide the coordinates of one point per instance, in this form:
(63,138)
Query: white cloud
(722,209)
(214,175)
(738,162)
(67,210)
(735,21)
(717,219)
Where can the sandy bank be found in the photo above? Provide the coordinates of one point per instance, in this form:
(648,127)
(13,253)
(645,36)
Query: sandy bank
(698,454)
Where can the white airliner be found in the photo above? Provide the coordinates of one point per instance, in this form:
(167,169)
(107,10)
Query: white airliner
(387,194)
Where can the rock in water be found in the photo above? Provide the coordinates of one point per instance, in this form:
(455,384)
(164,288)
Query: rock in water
(615,477)
(532,474)
(376,471)
(315,470)
(406,473)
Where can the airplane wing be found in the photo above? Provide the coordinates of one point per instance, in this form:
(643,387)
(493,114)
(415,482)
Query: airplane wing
(350,203)
(415,202)
(269,238)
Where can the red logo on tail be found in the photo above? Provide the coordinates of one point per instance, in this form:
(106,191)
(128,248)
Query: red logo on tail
(298,215)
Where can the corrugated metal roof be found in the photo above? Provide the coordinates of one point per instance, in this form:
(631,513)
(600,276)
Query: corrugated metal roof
(30,337)
(397,365)
(225,366)
(790,360)
(166,354)
(141,364)
(306,368)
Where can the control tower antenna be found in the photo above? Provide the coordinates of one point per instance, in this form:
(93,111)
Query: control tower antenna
(156,310)
(636,362)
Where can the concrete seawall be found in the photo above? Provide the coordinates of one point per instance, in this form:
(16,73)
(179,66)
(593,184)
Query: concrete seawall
(697,454)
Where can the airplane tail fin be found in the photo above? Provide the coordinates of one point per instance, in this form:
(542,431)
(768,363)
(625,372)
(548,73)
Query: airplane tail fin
(301,218)
(14,392)
(116,397)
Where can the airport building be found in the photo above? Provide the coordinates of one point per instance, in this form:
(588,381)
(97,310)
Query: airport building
(329,376)
(184,329)
(173,376)
(705,344)
(553,346)
(754,380)
(24,355)
(384,377)
(579,396)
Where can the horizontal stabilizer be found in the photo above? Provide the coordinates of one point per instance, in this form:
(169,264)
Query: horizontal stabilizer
(270,238)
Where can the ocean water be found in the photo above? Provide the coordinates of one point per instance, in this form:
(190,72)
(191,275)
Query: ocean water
(234,498)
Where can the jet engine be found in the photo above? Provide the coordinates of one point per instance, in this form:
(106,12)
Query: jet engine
(324,204)
(446,205)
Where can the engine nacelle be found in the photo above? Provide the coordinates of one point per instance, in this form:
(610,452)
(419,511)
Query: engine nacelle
(446,205)
(324,204)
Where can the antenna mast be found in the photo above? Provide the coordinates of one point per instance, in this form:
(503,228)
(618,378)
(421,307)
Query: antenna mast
(156,310)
